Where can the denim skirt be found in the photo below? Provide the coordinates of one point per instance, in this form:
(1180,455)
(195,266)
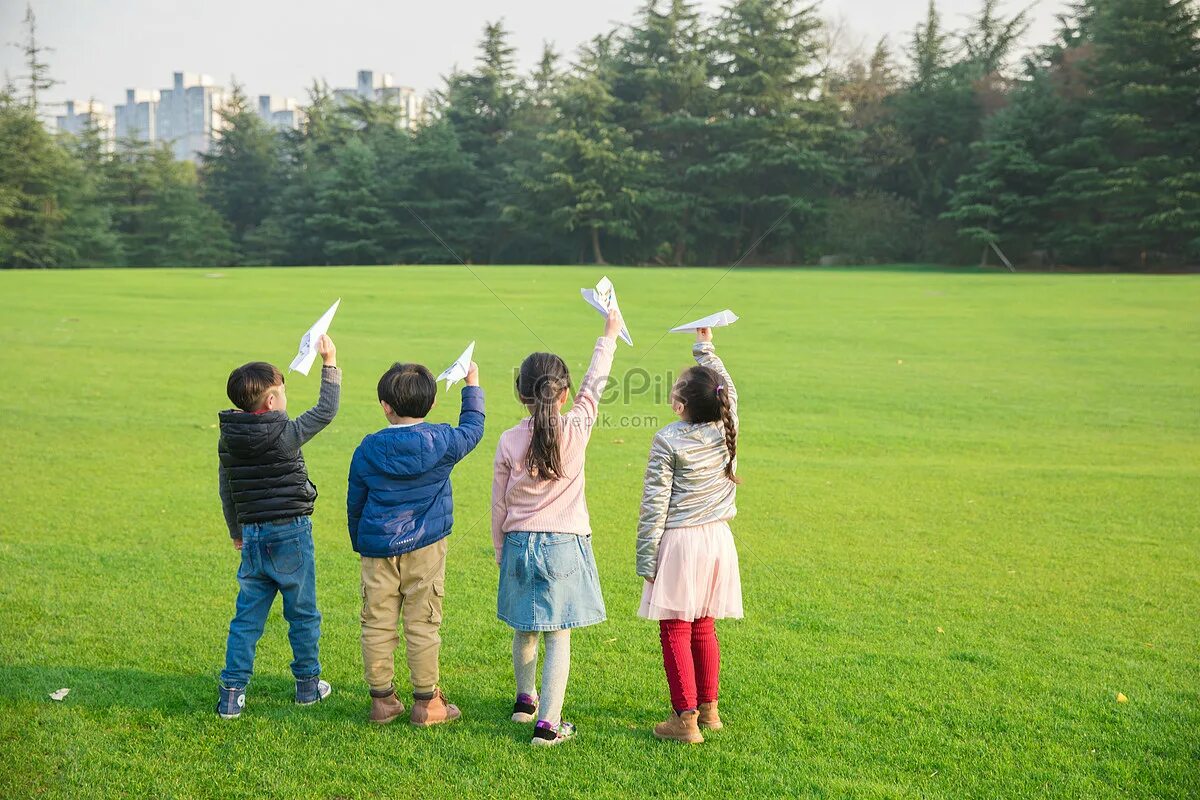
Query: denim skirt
(548,582)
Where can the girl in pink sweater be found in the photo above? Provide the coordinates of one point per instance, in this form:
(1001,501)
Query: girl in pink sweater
(541,533)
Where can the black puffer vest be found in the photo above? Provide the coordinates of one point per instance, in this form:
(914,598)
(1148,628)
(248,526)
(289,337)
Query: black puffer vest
(267,481)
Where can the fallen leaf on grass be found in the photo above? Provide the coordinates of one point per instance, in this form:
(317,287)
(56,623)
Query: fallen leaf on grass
(59,695)
(1122,698)
(940,630)
(610,641)
(618,441)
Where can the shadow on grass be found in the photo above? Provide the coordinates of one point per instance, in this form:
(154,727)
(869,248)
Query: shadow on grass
(100,689)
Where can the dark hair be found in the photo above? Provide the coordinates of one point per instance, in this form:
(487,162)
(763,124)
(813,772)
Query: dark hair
(409,389)
(248,384)
(540,381)
(705,397)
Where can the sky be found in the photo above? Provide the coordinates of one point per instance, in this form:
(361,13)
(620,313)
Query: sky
(103,47)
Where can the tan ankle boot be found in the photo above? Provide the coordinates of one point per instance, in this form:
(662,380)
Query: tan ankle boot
(709,718)
(433,711)
(385,709)
(680,728)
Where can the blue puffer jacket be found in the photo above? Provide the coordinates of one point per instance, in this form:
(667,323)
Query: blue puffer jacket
(399,496)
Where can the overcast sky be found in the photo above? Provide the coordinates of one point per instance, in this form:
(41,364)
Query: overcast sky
(272,47)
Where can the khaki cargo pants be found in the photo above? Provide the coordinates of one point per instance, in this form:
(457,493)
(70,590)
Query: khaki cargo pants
(412,586)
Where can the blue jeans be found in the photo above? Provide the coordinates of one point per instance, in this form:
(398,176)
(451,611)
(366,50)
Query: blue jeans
(276,557)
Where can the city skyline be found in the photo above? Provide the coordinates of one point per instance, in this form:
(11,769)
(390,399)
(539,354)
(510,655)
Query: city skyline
(89,70)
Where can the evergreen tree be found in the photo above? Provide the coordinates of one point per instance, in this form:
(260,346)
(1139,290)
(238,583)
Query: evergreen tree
(661,84)
(1137,194)
(479,106)
(239,173)
(347,219)
(587,182)
(779,146)
(32,171)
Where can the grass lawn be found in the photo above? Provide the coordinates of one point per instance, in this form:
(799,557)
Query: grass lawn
(970,518)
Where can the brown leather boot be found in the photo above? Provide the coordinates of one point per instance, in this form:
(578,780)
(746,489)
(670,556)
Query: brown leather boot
(433,711)
(385,709)
(709,718)
(680,728)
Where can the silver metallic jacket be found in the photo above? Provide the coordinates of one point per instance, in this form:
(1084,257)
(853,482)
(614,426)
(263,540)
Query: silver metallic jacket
(685,479)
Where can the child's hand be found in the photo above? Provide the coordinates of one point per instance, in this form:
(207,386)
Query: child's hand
(237,544)
(612,325)
(327,350)
(703,334)
(473,374)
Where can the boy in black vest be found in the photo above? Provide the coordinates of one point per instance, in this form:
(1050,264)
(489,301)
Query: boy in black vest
(268,502)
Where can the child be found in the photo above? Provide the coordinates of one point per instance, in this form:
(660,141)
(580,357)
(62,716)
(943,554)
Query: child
(685,548)
(400,510)
(268,501)
(540,530)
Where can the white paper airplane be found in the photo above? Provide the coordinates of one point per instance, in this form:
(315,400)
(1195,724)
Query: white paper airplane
(458,370)
(604,297)
(307,353)
(60,694)
(717,320)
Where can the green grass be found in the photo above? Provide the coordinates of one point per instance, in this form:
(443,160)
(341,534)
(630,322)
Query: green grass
(970,517)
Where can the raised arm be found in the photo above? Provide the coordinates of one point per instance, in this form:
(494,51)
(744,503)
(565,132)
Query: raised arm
(470,417)
(587,399)
(304,427)
(500,472)
(705,354)
(656,497)
(356,498)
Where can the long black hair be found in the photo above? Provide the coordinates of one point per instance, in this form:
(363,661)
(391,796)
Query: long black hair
(542,378)
(706,399)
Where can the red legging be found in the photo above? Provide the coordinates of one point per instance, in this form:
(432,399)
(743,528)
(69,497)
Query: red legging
(692,659)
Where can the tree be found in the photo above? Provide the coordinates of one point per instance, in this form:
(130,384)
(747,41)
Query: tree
(479,106)
(38,76)
(778,146)
(660,80)
(587,181)
(32,171)
(239,174)
(1137,193)
(347,219)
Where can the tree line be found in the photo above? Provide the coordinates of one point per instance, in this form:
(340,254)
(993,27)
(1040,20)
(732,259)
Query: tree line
(675,139)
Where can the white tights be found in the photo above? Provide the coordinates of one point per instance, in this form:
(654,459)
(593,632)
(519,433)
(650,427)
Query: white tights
(555,668)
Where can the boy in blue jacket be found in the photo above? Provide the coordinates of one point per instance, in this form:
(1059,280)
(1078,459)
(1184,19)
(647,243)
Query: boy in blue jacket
(400,510)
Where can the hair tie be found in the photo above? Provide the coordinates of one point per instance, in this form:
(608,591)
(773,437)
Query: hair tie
(720,386)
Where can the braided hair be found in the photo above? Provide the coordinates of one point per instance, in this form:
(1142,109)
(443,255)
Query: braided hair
(706,399)
(540,381)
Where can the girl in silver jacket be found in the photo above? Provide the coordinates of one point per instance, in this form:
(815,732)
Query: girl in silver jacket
(685,550)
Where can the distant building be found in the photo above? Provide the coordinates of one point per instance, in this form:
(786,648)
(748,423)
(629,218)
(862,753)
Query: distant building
(138,117)
(380,88)
(80,116)
(189,114)
(281,113)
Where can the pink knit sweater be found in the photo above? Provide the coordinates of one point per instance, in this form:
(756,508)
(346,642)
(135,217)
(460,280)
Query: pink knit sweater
(521,503)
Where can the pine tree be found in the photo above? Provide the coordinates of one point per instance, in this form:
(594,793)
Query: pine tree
(588,180)
(778,144)
(1138,189)
(347,218)
(239,174)
(32,171)
(660,79)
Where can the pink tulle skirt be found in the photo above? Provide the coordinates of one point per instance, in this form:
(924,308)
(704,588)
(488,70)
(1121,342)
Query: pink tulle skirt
(697,575)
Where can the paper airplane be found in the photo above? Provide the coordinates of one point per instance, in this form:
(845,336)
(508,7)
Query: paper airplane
(60,694)
(717,320)
(458,370)
(307,353)
(604,297)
